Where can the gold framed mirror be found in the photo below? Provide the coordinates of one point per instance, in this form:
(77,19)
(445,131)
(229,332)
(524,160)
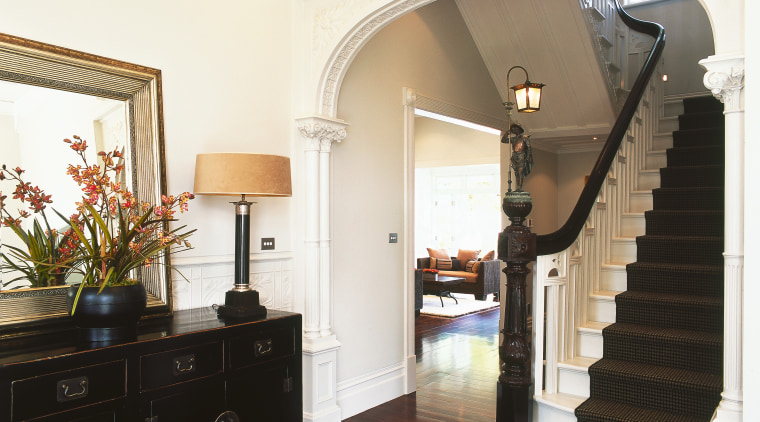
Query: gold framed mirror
(34,63)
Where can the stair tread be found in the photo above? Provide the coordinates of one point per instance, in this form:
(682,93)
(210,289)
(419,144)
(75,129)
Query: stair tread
(562,401)
(689,189)
(594,326)
(611,411)
(659,266)
(693,167)
(666,333)
(672,297)
(694,147)
(581,363)
(676,238)
(684,212)
(658,374)
(606,294)
(634,214)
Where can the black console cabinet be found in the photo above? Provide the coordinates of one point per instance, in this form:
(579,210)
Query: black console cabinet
(190,367)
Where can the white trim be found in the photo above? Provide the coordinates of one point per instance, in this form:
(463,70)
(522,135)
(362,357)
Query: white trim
(455,121)
(372,389)
(210,277)
(349,47)
(458,112)
(409,100)
(221,259)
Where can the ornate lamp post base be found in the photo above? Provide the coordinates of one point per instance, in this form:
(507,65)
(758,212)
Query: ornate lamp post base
(517,247)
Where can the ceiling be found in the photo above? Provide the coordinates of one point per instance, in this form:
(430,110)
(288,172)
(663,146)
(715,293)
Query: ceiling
(550,39)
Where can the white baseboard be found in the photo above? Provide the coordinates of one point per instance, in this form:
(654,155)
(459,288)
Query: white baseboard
(370,390)
(329,415)
(411,374)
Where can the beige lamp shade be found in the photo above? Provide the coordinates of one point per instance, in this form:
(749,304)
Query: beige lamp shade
(242,174)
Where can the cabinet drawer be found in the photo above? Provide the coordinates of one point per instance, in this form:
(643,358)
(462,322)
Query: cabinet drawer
(199,402)
(180,365)
(252,349)
(56,392)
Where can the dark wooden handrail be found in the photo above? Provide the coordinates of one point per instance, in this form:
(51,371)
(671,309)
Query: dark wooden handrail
(566,235)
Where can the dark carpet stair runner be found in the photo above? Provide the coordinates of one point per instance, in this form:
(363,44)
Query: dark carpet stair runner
(663,357)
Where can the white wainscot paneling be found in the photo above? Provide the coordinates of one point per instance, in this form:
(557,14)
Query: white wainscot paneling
(208,278)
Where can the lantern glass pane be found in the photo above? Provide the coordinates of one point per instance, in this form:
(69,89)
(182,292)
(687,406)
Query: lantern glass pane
(521,97)
(534,95)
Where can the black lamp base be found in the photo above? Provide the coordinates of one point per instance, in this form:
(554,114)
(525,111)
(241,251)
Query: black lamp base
(240,305)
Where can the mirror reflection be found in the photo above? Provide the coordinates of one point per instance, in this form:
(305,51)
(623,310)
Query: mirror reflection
(33,122)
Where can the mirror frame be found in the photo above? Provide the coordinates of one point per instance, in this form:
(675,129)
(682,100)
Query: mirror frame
(36,63)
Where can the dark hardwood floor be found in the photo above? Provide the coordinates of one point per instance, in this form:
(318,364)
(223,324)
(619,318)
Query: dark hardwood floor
(457,370)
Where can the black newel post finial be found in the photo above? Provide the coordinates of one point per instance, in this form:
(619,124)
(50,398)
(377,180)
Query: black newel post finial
(517,247)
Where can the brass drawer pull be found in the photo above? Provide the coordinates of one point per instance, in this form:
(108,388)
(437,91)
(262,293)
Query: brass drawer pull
(228,416)
(263,347)
(66,390)
(184,364)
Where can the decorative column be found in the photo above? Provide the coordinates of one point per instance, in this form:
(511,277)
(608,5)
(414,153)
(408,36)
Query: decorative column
(517,247)
(725,78)
(320,346)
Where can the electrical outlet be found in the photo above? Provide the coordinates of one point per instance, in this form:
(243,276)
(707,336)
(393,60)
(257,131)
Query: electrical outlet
(392,237)
(267,243)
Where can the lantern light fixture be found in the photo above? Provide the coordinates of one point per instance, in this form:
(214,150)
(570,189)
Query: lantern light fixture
(527,94)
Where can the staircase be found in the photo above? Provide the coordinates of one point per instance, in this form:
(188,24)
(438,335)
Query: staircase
(662,358)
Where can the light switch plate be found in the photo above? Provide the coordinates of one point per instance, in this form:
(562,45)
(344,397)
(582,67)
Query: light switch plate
(392,237)
(267,243)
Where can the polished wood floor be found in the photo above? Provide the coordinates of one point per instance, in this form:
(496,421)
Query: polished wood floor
(457,369)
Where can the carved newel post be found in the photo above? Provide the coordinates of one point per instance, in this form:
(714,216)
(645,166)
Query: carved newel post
(517,247)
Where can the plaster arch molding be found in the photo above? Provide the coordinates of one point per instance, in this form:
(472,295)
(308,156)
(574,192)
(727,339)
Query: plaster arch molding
(349,46)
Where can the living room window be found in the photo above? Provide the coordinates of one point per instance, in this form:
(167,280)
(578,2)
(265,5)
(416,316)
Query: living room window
(457,207)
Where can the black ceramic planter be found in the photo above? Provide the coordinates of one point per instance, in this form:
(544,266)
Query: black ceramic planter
(109,316)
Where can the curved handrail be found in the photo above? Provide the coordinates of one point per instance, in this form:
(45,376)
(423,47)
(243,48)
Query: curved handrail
(566,235)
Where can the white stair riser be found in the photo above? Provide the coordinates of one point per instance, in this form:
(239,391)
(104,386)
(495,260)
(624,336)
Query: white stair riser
(667,125)
(590,344)
(601,309)
(623,250)
(657,160)
(573,382)
(649,180)
(641,201)
(673,108)
(547,413)
(614,279)
(633,225)
(662,141)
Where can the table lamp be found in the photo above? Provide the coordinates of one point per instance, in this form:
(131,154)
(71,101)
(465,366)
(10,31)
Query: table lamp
(242,174)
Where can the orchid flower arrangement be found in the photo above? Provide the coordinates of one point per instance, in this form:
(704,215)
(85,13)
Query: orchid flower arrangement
(109,237)
(48,252)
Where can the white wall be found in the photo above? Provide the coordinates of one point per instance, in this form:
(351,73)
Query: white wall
(429,50)
(688,40)
(441,144)
(572,170)
(542,185)
(226,72)
(220,91)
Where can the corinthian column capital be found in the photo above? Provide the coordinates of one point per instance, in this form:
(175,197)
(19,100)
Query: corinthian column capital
(725,79)
(320,132)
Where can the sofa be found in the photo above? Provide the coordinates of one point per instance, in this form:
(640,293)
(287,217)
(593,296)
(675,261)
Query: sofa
(479,279)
